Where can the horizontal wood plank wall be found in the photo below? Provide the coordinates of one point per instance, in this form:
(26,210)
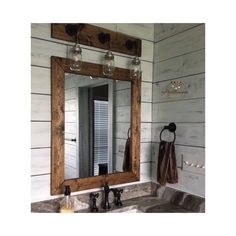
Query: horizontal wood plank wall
(42,48)
(179,53)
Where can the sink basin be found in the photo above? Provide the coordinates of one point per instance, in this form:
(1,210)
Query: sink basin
(166,208)
(128,209)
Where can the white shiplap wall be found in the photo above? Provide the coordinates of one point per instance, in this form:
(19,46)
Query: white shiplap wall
(179,53)
(42,48)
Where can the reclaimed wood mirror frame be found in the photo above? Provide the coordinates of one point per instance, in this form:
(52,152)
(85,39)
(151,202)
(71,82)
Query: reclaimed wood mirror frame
(60,66)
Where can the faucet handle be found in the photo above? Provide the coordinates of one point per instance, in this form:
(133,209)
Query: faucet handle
(117,196)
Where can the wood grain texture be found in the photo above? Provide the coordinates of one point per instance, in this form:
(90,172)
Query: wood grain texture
(40,134)
(146,92)
(89,36)
(118,163)
(40,80)
(182,43)
(185,65)
(40,161)
(190,182)
(179,54)
(70,105)
(57,129)
(94,70)
(194,85)
(143,31)
(186,133)
(70,93)
(121,85)
(123,97)
(109,26)
(162,31)
(41,52)
(147,71)
(122,114)
(40,188)
(135,126)
(40,107)
(120,130)
(139,30)
(146,152)
(145,172)
(71,116)
(146,112)
(146,132)
(179,111)
(70,128)
(58,69)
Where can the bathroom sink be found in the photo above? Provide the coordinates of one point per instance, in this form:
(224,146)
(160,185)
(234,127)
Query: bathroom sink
(145,204)
(127,209)
(166,208)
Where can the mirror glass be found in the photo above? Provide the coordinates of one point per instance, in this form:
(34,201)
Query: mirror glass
(97,123)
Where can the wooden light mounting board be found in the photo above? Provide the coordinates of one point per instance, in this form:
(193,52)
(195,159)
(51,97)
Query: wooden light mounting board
(89,36)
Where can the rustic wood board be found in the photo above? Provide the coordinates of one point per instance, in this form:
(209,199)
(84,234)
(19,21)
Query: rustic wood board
(89,36)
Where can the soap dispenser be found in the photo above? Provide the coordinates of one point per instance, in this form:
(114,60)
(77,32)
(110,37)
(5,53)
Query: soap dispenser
(67,205)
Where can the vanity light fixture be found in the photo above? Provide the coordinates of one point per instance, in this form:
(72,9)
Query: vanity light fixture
(135,68)
(75,52)
(108,61)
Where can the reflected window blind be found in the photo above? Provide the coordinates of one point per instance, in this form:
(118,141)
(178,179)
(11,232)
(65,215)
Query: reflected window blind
(100,134)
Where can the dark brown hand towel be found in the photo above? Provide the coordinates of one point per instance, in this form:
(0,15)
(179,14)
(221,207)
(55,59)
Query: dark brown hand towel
(127,156)
(167,168)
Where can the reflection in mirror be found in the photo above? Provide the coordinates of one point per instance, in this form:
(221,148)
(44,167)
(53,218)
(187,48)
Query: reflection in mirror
(97,121)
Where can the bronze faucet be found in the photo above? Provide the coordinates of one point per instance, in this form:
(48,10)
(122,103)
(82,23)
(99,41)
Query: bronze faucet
(117,195)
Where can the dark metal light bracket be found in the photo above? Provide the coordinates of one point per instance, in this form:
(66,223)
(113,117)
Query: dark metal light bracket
(98,37)
(73,29)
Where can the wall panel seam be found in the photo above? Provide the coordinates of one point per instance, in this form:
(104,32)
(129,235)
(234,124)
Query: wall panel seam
(38,121)
(41,94)
(68,43)
(45,67)
(180,77)
(184,145)
(179,55)
(178,32)
(179,100)
(91,49)
(32,176)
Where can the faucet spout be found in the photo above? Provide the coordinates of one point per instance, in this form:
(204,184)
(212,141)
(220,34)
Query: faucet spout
(106,204)
(117,195)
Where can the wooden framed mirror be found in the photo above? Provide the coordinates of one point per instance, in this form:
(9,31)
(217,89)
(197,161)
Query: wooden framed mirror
(95,176)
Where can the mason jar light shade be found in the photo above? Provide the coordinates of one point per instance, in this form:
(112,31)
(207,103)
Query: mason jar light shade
(75,56)
(135,68)
(108,64)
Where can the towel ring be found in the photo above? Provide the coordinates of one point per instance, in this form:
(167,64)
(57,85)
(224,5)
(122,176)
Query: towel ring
(172,128)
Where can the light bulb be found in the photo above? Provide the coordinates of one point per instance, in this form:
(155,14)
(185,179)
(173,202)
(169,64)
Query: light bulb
(135,69)
(75,56)
(108,64)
